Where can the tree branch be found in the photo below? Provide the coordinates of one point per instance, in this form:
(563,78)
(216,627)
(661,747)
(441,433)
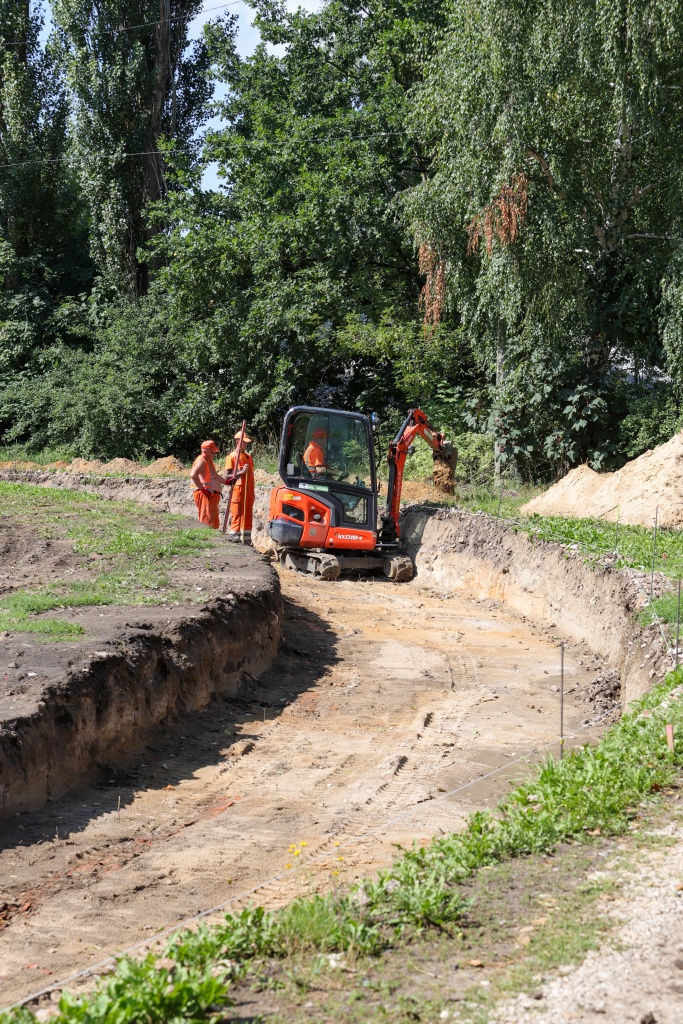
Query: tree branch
(660,238)
(545,167)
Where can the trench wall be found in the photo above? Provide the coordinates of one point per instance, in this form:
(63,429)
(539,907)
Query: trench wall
(544,582)
(109,703)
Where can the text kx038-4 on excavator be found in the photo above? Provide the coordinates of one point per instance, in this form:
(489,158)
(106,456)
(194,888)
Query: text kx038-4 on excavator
(324,520)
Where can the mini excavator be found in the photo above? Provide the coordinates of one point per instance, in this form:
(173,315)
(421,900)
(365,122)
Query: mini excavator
(324,520)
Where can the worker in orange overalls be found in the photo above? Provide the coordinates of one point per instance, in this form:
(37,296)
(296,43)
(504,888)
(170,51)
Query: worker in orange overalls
(207,485)
(314,456)
(242,503)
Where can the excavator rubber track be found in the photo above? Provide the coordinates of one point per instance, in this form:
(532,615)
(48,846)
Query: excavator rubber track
(399,568)
(312,563)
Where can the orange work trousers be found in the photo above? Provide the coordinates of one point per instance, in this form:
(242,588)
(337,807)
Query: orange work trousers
(241,508)
(207,508)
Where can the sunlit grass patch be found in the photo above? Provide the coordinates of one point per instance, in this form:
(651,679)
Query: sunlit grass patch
(127,555)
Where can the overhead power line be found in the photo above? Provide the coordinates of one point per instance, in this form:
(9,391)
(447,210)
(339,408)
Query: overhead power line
(144,24)
(155,152)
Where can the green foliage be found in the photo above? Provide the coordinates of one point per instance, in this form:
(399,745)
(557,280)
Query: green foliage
(137,392)
(654,415)
(476,458)
(305,238)
(597,537)
(553,207)
(139,991)
(43,250)
(136,88)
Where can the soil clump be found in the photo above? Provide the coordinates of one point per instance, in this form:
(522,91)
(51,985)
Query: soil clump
(652,481)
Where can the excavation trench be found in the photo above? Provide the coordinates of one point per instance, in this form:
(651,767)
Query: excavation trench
(389,714)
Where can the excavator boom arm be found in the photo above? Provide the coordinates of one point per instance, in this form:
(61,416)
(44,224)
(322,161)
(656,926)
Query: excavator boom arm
(415,425)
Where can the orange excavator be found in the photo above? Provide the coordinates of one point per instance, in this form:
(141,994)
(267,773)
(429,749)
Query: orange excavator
(324,519)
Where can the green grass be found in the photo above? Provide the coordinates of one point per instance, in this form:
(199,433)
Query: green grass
(127,553)
(594,538)
(595,790)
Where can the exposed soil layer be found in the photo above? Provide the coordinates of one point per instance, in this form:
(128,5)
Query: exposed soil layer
(546,582)
(384,702)
(67,708)
(652,481)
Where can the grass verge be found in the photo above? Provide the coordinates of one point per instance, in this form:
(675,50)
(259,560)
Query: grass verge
(594,791)
(628,546)
(126,555)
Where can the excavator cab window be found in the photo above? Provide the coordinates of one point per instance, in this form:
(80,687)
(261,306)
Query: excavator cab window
(329,447)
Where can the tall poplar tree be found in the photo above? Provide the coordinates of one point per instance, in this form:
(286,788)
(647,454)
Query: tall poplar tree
(139,85)
(42,256)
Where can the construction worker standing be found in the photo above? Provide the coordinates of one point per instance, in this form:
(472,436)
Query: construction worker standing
(242,503)
(207,485)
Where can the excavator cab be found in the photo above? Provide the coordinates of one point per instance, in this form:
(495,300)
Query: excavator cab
(324,518)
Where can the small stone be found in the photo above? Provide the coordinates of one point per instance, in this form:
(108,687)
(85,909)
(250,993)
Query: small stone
(165,963)
(12,664)
(474,963)
(55,995)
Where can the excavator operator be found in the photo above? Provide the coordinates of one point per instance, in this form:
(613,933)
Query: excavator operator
(314,456)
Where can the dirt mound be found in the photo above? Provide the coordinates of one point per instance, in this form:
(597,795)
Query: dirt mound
(654,480)
(85,466)
(20,465)
(264,479)
(166,466)
(122,466)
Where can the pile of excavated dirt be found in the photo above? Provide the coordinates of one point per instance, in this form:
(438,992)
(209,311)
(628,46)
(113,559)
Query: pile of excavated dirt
(166,466)
(20,465)
(652,481)
(84,466)
(122,466)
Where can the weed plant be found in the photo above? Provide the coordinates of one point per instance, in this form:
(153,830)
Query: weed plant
(594,790)
(131,549)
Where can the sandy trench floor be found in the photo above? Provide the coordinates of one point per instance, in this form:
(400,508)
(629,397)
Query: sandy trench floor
(383,699)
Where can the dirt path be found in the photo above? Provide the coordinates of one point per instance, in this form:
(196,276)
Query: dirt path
(383,699)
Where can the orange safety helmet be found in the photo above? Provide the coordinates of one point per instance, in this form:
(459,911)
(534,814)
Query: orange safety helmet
(319,433)
(210,446)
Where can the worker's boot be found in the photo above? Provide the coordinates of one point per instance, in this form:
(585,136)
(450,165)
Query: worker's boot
(246,538)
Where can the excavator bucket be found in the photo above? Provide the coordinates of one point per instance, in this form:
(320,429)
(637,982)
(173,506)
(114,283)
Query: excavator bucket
(444,469)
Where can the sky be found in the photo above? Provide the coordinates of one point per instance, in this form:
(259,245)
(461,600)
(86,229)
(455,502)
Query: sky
(247,40)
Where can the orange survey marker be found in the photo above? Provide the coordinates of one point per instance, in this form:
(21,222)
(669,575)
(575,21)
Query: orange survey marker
(236,474)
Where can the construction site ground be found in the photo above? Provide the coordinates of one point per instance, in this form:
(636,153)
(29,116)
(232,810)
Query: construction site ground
(383,702)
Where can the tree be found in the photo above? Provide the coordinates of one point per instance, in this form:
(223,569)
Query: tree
(43,255)
(554,207)
(304,252)
(139,86)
